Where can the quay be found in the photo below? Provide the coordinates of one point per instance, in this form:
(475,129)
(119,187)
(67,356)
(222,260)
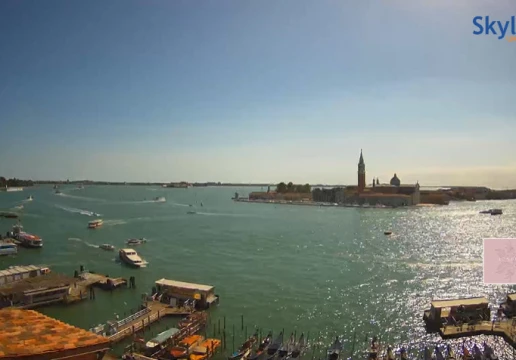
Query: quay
(30,286)
(152,312)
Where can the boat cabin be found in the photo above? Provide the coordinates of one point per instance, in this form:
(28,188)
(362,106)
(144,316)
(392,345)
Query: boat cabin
(160,341)
(176,293)
(457,312)
(16,273)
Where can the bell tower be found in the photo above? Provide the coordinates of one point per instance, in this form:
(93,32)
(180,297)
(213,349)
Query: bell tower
(361,173)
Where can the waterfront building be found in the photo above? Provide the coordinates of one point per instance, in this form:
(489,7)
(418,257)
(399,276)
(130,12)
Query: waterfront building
(35,291)
(29,335)
(174,292)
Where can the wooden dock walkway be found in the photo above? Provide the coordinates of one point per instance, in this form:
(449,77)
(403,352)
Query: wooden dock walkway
(153,312)
(504,328)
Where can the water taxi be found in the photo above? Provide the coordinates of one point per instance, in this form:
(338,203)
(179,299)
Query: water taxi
(93,224)
(136,241)
(108,247)
(160,340)
(131,257)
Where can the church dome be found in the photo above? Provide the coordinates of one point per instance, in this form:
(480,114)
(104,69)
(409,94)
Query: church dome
(395,181)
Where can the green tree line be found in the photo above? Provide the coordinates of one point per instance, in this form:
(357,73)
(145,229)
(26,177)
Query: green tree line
(283,188)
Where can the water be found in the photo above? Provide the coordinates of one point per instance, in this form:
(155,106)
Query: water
(330,271)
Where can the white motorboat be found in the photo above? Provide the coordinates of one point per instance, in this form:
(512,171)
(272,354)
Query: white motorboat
(108,247)
(160,199)
(136,241)
(93,224)
(8,247)
(30,198)
(131,257)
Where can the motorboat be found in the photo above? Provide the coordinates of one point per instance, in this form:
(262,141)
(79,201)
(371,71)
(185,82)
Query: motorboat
(93,224)
(131,257)
(107,247)
(492,212)
(30,198)
(387,232)
(58,192)
(136,241)
(29,240)
(191,212)
(160,340)
(8,247)
(160,199)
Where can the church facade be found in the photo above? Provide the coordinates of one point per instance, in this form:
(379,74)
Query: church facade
(394,194)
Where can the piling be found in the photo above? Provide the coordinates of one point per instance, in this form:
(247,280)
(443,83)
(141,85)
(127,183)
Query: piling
(224,338)
(219,326)
(242,321)
(224,322)
(233,337)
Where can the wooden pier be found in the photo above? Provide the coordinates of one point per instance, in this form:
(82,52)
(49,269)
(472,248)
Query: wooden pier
(152,312)
(504,328)
(82,287)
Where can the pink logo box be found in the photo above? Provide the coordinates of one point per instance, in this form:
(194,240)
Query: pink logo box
(500,261)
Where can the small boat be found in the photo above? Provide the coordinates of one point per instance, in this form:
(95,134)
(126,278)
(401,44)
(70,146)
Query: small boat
(477,354)
(160,199)
(274,347)
(107,247)
(131,257)
(30,198)
(492,212)
(334,351)
(403,354)
(18,207)
(438,354)
(8,247)
(29,240)
(299,347)
(286,347)
(136,241)
(373,350)
(57,192)
(93,224)
(156,343)
(191,212)
(450,354)
(245,349)
(262,348)
(178,352)
(466,355)
(489,353)
(205,349)
(9,215)
(387,232)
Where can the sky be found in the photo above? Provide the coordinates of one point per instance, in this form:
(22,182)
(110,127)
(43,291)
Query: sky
(257,91)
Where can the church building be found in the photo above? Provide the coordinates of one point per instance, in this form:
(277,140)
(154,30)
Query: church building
(392,194)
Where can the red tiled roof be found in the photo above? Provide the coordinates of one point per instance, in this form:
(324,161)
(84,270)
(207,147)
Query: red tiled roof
(27,332)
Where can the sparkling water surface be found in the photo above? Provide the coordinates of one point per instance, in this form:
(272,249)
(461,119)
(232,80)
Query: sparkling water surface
(327,271)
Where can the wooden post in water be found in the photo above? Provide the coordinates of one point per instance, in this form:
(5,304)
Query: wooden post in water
(242,322)
(246,332)
(233,337)
(224,322)
(214,329)
(353,345)
(219,326)
(224,338)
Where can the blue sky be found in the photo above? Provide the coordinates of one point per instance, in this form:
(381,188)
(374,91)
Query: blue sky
(256,91)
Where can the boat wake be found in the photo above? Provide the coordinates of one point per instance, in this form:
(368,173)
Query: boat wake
(78,211)
(84,242)
(114,222)
(178,204)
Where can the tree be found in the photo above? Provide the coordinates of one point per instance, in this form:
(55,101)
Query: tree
(281,187)
(290,187)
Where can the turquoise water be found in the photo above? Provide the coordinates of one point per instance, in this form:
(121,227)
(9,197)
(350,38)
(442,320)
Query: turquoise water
(330,271)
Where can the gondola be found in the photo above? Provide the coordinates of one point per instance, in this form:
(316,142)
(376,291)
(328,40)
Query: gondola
(273,348)
(245,349)
(299,347)
(286,347)
(260,353)
(334,350)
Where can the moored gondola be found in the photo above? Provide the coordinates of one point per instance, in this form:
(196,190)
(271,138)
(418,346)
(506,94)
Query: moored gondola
(245,349)
(275,345)
(299,347)
(334,351)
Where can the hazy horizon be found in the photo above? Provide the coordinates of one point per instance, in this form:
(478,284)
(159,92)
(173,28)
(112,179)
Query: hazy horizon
(257,92)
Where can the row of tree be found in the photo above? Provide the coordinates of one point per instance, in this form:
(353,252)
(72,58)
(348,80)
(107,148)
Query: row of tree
(14,182)
(283,188)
